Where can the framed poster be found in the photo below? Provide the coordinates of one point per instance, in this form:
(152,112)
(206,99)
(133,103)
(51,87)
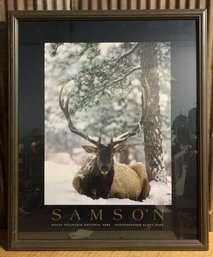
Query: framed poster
(108,131)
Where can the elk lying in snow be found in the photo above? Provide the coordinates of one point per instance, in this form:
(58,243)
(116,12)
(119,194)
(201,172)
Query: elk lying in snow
(100,176)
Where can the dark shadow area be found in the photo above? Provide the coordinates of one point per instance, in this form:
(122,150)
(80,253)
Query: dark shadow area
(3,239)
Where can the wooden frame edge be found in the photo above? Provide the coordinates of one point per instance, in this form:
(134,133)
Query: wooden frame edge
(14,16)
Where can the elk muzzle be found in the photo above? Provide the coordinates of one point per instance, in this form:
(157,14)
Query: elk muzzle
(104,169)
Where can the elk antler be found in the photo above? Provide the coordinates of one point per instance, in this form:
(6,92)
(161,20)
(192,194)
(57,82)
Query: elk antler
(145,96)
(64,105)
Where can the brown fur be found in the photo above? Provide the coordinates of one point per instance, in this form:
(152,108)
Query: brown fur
(130,181)
(140,169)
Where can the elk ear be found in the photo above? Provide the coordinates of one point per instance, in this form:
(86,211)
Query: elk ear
(120,148)
(89,149)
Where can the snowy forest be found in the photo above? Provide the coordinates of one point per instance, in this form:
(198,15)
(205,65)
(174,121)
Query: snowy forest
(113,88)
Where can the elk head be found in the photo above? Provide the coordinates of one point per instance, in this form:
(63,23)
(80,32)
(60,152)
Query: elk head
(104,154)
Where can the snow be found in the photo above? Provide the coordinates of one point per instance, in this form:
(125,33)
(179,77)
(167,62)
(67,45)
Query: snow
(106,46)
(59,189)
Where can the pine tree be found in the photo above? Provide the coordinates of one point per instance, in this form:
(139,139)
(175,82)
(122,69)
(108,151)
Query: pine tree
(112,78)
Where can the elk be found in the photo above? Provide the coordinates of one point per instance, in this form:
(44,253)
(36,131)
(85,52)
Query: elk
(101,176)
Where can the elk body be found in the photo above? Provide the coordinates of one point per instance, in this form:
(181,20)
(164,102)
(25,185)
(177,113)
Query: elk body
(101,177)
(130,181)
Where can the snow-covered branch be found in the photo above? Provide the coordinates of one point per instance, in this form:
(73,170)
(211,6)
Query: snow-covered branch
(108,85)
(129,72)
(126,54)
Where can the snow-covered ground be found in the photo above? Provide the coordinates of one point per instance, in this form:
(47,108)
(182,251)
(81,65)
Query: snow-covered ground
(59,189)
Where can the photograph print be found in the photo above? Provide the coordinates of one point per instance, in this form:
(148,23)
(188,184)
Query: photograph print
(108,123)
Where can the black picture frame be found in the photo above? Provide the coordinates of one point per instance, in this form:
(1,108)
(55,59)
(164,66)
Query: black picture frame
(186,222)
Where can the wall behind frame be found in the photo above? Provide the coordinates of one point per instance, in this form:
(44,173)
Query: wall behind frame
(6,5)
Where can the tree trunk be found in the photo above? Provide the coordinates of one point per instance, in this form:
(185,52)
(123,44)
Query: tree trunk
(152,123)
